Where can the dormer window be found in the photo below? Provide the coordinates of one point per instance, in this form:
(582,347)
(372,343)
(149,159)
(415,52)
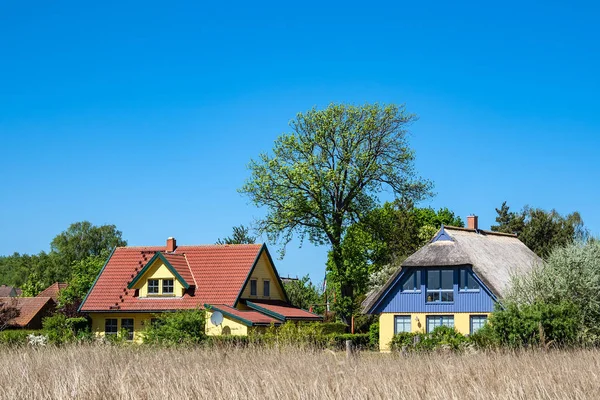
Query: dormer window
(152,286)
(253,289)
(267,288)
(167,286)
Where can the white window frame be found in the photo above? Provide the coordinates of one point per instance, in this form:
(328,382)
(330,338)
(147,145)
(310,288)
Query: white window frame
(404,319)
(172,286)
(157,286)
(445,320)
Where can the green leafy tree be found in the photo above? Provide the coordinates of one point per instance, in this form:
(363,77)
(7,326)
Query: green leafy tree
(84,273)
(571,274)
(302,293)
(33,285)
(373,247)
(326,174)
(541,230)
(240,235)
(82,240)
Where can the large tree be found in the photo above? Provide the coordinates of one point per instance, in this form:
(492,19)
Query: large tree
(327,173)
(82,240)
(541,230)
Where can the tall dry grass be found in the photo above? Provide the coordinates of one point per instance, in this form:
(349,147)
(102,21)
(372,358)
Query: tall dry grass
(97,372)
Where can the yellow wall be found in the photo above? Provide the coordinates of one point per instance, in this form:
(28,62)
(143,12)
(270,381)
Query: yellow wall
(140,322)
(158,270)
(462,323)
(235,328)
(263,271)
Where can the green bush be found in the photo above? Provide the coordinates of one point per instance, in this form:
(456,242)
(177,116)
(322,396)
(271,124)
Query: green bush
(333,327)
(229,341)
(441,338)
(337,341)
(374,335)
(61,330)
(16,337)
(537,324)
(181,327)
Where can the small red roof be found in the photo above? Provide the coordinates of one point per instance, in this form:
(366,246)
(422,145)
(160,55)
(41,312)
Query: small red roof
(282,310)
(245,316)
(29,307)
(217,271)
(52,290)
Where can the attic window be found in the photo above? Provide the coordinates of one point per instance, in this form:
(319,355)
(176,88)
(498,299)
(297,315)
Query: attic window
(412,282)
(167,286)
(152,286)
(440,286)
(466,281)
(253,287)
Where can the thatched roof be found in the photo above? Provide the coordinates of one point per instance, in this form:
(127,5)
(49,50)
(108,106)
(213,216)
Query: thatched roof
(495,257)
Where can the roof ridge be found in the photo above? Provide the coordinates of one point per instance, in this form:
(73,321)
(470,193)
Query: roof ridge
(460,228)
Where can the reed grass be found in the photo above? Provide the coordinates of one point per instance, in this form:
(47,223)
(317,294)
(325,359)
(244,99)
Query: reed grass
(138,372)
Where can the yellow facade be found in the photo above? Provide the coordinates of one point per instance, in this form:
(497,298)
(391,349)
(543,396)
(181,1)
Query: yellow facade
(462,323)
(140,322)
(227,327)
(262,272)
(158,270)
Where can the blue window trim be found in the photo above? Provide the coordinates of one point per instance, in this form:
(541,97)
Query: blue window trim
(428,317)
(471,321)
(440,291)
(470,273)
(402,316)
(412,274)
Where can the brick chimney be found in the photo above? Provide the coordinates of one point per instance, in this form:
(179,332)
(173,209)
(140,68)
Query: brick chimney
(472,222)
(171,245)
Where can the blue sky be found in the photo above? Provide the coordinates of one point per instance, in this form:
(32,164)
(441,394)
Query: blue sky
(145,115)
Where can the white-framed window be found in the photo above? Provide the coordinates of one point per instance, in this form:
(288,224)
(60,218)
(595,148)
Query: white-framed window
(433,321)
(153,286)
(253,285)
(266,288)
(440,285)
(167,286)
(466,280)
(127,325)
(477,322)
(412,282)
(402,323)
(110,326)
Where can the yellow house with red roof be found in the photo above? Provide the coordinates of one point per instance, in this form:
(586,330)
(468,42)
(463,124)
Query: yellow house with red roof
(239,283)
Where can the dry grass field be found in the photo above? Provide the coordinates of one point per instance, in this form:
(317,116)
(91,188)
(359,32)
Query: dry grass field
(107,372)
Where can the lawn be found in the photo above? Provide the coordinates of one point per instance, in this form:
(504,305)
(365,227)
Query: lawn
(113,372)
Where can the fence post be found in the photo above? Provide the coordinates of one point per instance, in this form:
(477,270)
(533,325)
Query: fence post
(348,348)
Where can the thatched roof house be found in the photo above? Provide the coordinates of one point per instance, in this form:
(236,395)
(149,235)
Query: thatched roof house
(454,280)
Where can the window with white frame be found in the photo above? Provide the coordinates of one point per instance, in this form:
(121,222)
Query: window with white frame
(440,286)
(110,326)
(402,324)
(466,280)
(153,286)
(167,286)
(433,321)
(477,322)
(412,282)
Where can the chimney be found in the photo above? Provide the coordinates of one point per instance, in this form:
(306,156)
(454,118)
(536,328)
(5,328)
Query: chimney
(472,222)
(171,245)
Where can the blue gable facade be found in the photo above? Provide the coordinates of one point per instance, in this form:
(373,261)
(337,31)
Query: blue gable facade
(396,300)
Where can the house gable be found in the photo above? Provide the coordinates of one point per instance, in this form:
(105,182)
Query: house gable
(395,300)
(159,269)
(263,270)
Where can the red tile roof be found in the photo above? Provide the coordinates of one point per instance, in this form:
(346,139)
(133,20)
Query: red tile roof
(218,271)
(52,290)
(8,291)
(254,317)
(179,262)
(29,307)
(282,310)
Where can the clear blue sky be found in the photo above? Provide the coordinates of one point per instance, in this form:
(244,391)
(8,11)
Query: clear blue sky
(145,115)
